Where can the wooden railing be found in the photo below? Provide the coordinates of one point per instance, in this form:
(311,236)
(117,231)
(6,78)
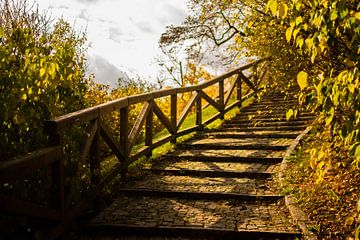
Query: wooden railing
(62,210)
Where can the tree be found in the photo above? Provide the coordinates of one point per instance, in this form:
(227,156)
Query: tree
(42,74)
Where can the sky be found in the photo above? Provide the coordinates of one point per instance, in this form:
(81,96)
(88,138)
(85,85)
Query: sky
(123,34)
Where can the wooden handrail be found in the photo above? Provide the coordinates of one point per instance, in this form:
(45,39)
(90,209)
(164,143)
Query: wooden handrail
(93,118)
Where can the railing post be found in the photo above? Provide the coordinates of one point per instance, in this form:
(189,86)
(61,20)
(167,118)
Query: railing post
(198,110)
(173,117)
(95,154)
(238,89)
(124,141)
(221,99)
(148,131)
(57,176)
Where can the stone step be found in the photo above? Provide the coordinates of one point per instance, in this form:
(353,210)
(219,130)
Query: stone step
(251,129)
(259,134)
(274,109)
(280,119)
(201,184)
(237,143)
(217,166)
(267,115)
(192,218)
(209,173)
(264,124)
(212,155)
(136,192)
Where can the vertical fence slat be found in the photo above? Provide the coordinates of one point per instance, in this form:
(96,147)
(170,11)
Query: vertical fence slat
(57,176)
(148,131)
(95,154)
(124,141)
(198,110)
(239,90)
(221,99)
(173,117)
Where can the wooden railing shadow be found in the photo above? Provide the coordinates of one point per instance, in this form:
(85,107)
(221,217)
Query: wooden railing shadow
(62,210)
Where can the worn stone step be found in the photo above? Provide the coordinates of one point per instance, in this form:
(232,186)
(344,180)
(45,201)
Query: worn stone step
(135,192)
(255,134)
(251,129)
(218,166)
(264,124)
(267,115)
(264,111)
(200,184)
(209,173)
(127,232)
(205,218)
(229,155)
(257,106)
(265,119)
(237,143)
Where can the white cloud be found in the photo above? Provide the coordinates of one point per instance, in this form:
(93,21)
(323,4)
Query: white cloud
(125,33)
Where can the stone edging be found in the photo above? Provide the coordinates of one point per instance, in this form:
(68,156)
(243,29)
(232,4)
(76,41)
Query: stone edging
(296,213)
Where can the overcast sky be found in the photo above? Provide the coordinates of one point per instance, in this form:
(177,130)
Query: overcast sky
(124,34)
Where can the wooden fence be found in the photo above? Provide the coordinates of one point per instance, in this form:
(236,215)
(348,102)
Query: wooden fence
(62,210)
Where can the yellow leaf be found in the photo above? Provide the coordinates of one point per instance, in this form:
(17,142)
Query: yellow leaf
(357,15)
(298,20)
(288,34)
(1,32)
(42,72)
(289,114)
(302,79)
(349,221)
(283,9)
(24,97)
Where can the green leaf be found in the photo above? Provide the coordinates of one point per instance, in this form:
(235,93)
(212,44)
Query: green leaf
(302,79)
(289,114)
(1,32)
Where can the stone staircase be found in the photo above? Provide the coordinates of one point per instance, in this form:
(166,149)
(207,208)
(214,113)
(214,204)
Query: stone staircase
(221,184)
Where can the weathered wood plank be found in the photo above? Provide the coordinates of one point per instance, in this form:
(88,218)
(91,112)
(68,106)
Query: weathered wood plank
(149,131)
(187,131)
(228,94)
(187,109)
(25,208)
(173,117)
(210,100)
(248,82)
(138,124)
(28,163)
(114,146)
(89,135)
(95,154)
(163,119)
(199,110)
(221,99)
(124,127)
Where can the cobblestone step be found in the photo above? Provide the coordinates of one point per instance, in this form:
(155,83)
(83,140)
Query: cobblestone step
(218,166)
(266,115)
(132,232)
(229,185)
(207,155)
(251,129)
(209,173)
(237,143)
(134,192)
(280,119)
(256,134)
(265,124)
(170,216)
